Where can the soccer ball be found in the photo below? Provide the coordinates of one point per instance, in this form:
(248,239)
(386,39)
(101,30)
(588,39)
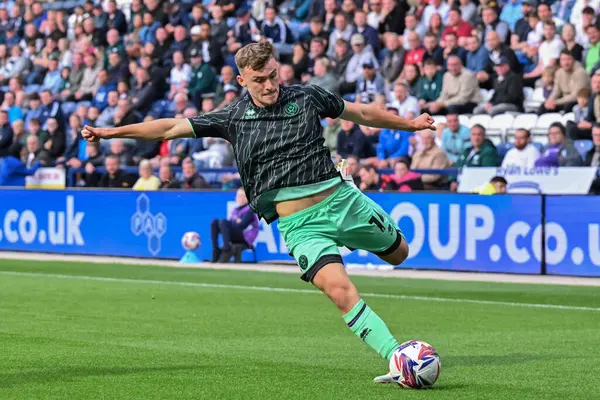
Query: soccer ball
(190,241)
(415,365)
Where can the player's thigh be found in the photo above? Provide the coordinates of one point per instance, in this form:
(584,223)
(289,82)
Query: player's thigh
(310,236)
(333,280)
(365,225)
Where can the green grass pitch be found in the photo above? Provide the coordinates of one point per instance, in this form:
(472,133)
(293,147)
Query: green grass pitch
(65,336)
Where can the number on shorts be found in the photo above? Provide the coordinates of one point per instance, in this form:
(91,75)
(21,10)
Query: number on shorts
(378,223)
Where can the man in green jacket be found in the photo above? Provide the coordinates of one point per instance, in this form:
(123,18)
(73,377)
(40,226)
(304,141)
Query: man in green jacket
(429,86)
(204,79)
(481,153)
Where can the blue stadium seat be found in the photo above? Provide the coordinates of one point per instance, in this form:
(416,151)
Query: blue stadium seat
(539,146)
(583,146)
(503,148)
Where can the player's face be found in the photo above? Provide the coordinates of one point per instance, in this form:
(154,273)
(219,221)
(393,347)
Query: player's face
(262,85)
(500,187)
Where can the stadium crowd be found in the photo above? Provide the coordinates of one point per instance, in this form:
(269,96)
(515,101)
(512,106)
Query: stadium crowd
(510,84)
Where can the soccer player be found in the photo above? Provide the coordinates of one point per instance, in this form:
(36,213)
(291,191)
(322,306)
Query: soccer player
(288,174)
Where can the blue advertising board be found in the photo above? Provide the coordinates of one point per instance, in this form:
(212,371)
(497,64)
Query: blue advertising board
(573,235)
(444,231)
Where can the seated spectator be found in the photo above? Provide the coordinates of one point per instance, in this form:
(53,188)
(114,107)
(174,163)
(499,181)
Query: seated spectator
(592,56)
(34,153)
(12,170)
(491,23)
(89,80)
(393,145)
(592,158)
(432,50)
(52,79)
(191,178)
(460,92)
(511,13)
(547,82)
(6,133)
(181,74)
(275,29)
(456,25)
(225,80)
(497,185)
(442,9)
(19,134)
(241,228)
(203,78)
(480,153)
(370,84)
(559,152)
(147,180)
(416,52)
(362,55)
(404,104)
(549,52)
(119,150)
(411,25)
(429,86)
(107,116)
(114,177)
(569,79)
(393,61)
(167,180)
(402,180)
(496,50)
(55,143)
(14,112)
(368,32)
(477,55)
(410,75)
(524,154)
(50,109)
(430,157)
(508,92)
(144,93)
(352,141)
(323,77)
(455,137)
(452,48)
(580,127)
(568,37)
(369,178)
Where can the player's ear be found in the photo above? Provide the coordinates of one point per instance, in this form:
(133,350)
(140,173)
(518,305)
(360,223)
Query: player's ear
(240,80)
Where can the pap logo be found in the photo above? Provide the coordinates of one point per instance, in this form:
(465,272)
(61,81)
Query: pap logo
(152,226)
(291,109)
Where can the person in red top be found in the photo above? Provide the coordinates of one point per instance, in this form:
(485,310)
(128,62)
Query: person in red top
(456,25)
(416,52)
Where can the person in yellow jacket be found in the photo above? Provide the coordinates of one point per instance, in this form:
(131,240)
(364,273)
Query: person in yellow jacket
(497,185)
(147,180)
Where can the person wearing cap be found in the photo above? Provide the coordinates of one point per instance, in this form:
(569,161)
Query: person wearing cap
(369,33)
(508,91)
(203,79)
(342,30)
(370,84)
(362,55)
(207,46)
(568,81)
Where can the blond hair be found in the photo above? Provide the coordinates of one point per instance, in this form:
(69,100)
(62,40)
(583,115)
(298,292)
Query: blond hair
(254,56)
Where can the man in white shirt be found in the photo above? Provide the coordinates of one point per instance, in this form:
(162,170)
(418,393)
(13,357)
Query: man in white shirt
(549,51)
(181,74)
(524,153)
(435,7)
(412,25)
(403,102)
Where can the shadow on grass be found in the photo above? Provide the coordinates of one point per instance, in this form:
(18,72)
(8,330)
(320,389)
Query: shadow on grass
(66,374)
(508,359)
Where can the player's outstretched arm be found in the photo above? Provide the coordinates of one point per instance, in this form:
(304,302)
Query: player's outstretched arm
(160,129)
(371,115)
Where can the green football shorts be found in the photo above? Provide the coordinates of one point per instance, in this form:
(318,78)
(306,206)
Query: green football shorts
(346,218)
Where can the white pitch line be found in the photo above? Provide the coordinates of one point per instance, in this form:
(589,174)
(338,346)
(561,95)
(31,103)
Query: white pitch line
(290,290)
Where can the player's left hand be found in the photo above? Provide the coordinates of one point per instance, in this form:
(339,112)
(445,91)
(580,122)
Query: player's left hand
(424,121)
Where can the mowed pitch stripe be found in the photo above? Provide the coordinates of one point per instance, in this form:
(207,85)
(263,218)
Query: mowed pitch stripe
(290,290)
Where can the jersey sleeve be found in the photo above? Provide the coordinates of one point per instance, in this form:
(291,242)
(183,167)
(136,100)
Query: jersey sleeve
(329,105)
(212,124)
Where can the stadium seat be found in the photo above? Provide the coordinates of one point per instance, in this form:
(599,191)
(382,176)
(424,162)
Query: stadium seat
(568,117)
(502,149)
(583,146)
(500,124)
(439,119)
(544,121)
(526,121)
(539,146)
(534,101)
(464,120)
(483,120)
(486,94)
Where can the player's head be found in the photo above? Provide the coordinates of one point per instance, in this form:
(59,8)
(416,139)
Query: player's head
(259,72)
(240,197)
(499,183)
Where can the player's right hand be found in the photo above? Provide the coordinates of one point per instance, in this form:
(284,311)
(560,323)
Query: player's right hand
(93,134)
(424,121)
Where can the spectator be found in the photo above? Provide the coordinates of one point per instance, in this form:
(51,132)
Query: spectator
(75,78)
(547,82)
(569,79)
(549,51)
(521,28)
(6,133)
(592,116)
(393,61)
(592,158)
(457,26)
(497,50)
(106,117)
(208,45)
(460,92)
(244,31)
(34,153)
(352,168)
(15,66)
(415,53)
(144,93)
(403,179)
(352,141)
(167,180)
(317,50)
(241,228)
(181,74)
(481,153)
(287,76)
(580,127)
(323,77)
(568,37)
(218,153)
(524,154)
(497,185)
(362,55)
(191,178)
(75,148)
(392,16)
(407,106)
(412,25)
(276,31)
(430,157)
(468,10)
(511,13)
(452,49)
(19,134)
(148,31)
(13,171)
(50,109)
(340,60)
(370,84)
(369,33)
(100,100)
(369,178)
(55,143)
(203,78)
(14,112)
(114,177)
(429,86)
(89,81)
(115,18)
(436,27)
(491,23)
(559,152)
(393,145)
(477,55)
(592,56)
(436,7)
(147,181)
(508,92)
(432,50)
(119,150)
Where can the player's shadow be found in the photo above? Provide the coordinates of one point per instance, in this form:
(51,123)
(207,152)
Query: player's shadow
(8,380)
